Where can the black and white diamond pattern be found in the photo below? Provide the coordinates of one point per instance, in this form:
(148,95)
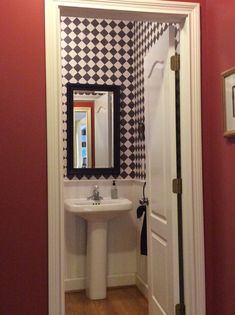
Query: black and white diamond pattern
(97,51)
(177,38)
(146,34)
(112,52)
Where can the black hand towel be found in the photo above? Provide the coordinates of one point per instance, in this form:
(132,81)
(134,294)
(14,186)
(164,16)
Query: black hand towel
(143,238)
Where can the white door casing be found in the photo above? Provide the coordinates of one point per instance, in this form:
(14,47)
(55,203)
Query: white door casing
(188,14)
(161,168)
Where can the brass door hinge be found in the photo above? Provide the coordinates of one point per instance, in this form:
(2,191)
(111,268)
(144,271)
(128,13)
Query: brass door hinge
(175,62)
(180,309)
(177,185)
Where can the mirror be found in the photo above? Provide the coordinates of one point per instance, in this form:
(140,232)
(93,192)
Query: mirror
(93,132)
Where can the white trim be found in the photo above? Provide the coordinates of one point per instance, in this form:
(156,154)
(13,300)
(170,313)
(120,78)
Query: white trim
(142,286)
(119,280)
(75,284)
(191,140)
(191,148)
(54,164)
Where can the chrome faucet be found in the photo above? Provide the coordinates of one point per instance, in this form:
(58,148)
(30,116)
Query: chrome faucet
(95,194)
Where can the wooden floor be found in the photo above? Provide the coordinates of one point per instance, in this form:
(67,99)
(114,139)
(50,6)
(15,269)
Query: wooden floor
(120,301)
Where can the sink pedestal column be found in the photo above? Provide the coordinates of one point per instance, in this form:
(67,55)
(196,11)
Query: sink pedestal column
(96,260)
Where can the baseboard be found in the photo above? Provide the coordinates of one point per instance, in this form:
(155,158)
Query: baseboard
(77,284)
(121,280)
(142,286)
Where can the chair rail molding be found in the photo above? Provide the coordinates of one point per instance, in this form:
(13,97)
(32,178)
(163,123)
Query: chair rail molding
(188,15)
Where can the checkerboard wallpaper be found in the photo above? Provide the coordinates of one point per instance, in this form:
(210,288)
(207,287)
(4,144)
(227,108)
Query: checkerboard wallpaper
(98,51)
(146,35)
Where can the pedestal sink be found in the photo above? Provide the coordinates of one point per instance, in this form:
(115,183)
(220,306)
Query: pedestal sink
(97,213)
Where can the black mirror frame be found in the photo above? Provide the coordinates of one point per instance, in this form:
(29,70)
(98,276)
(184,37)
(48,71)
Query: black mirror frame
(115,170)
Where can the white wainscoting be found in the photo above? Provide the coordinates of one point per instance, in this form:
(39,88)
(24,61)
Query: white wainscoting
(125,264)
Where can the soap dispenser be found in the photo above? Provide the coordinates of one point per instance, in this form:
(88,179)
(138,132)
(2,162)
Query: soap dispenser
(114,191)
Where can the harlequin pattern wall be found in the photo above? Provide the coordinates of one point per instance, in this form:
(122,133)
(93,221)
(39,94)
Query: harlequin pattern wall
(98,51)
(145,36)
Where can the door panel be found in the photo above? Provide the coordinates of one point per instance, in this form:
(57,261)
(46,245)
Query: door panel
(159,250)
(161,169)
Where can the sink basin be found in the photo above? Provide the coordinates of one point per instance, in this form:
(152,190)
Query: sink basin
(103,210)
(97,214)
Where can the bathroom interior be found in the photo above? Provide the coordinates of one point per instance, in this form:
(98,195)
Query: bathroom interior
(96,52)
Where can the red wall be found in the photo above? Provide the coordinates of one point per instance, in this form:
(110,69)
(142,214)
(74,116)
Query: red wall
(218,54)
(23,227)
(219,158)
(23,192)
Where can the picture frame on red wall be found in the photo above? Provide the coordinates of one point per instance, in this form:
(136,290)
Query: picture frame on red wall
(228,93)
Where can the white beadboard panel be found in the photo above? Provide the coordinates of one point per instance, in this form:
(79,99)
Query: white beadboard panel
(83,188)
(75,246)
(122,242)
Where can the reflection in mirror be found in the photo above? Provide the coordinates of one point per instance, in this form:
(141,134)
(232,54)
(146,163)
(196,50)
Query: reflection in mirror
(82,136)
(93,127)
(93,133)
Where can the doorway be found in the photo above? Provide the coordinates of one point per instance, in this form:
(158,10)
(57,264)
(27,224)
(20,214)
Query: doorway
(188,16)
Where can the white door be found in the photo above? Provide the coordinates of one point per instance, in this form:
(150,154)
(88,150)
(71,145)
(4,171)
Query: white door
(161,169)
